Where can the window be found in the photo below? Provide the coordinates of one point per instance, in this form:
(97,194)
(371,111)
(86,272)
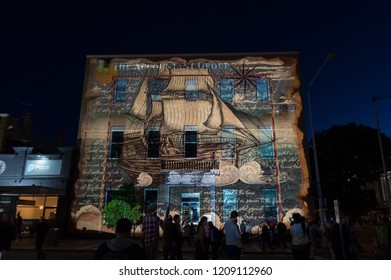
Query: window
(230,202)
(156,89)
(266,142)
(191,92)
(191,141)
(263,89)
(116,142)
(228,148)
(120,90)
(153,134)
(269,201)
(227,89)
(33,207)
(110,195)
(103,66)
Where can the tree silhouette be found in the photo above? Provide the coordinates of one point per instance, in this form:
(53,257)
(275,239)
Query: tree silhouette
(349,158)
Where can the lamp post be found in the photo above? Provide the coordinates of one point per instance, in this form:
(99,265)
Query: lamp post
(386,185)
(318,185)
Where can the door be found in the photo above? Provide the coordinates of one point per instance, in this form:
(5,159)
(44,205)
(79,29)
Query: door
(190,207)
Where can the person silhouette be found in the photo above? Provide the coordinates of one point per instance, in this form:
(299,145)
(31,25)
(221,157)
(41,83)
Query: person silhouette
(150,227)
(233,239)
(19,222)
(121,247)
(41,230)
(7,233)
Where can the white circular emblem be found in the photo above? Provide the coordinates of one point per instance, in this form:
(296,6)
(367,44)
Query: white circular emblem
(2,166)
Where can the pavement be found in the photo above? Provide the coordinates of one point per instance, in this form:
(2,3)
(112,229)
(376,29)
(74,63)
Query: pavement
(80,248)
(251,250)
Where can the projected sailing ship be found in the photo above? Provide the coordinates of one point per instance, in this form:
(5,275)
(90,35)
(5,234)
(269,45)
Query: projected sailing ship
(174,109)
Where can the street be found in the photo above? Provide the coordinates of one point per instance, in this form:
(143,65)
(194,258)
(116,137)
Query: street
(89,255)
(50,255)
(83,249)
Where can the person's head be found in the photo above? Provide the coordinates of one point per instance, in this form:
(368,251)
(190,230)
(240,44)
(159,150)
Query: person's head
(151,209)
(297,218)
(234,215)
(210,224)
(177,218)
(123,227)
(203,220)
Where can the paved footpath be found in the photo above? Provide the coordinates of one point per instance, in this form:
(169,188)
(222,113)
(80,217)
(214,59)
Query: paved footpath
(251,250)
(84,248)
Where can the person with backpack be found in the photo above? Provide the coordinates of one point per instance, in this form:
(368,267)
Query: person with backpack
(121,247)
(300,240)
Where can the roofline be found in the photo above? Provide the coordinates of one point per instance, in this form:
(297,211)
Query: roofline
(198,55)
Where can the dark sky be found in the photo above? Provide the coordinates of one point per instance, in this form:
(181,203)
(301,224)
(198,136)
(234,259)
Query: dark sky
(44,46)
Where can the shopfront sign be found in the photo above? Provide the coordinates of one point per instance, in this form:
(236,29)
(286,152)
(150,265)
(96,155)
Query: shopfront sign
(42,167)
(3,166)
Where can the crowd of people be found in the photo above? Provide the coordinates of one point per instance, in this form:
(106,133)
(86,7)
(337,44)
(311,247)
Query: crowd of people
(305,236)
(205,237)
(210,242)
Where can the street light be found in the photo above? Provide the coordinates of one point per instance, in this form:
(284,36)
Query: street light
(386,186)
(318,185)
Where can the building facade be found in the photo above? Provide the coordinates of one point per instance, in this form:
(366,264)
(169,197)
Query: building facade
(34,179)
(200,134)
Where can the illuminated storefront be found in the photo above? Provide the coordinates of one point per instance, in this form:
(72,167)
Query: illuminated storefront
(203,135)
(35,184)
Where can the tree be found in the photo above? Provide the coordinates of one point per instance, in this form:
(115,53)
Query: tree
(134,216)
(124,204)
(115,210)
(349,158)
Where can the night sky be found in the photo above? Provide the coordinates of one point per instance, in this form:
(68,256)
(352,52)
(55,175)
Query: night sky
(44,48)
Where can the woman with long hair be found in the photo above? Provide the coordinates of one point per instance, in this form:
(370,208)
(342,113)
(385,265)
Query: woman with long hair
(202,240)
(300,240)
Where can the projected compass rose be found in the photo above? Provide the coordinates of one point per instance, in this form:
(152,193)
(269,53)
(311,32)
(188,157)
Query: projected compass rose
(245,77)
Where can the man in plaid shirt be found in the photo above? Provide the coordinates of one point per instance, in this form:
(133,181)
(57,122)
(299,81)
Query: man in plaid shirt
(150,229)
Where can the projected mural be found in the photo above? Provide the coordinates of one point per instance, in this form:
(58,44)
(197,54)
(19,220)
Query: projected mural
(203,135)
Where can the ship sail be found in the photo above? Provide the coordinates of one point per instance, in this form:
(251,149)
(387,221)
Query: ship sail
(156,114)
(180,113)
(179,110)
(140,104)
(175,109)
